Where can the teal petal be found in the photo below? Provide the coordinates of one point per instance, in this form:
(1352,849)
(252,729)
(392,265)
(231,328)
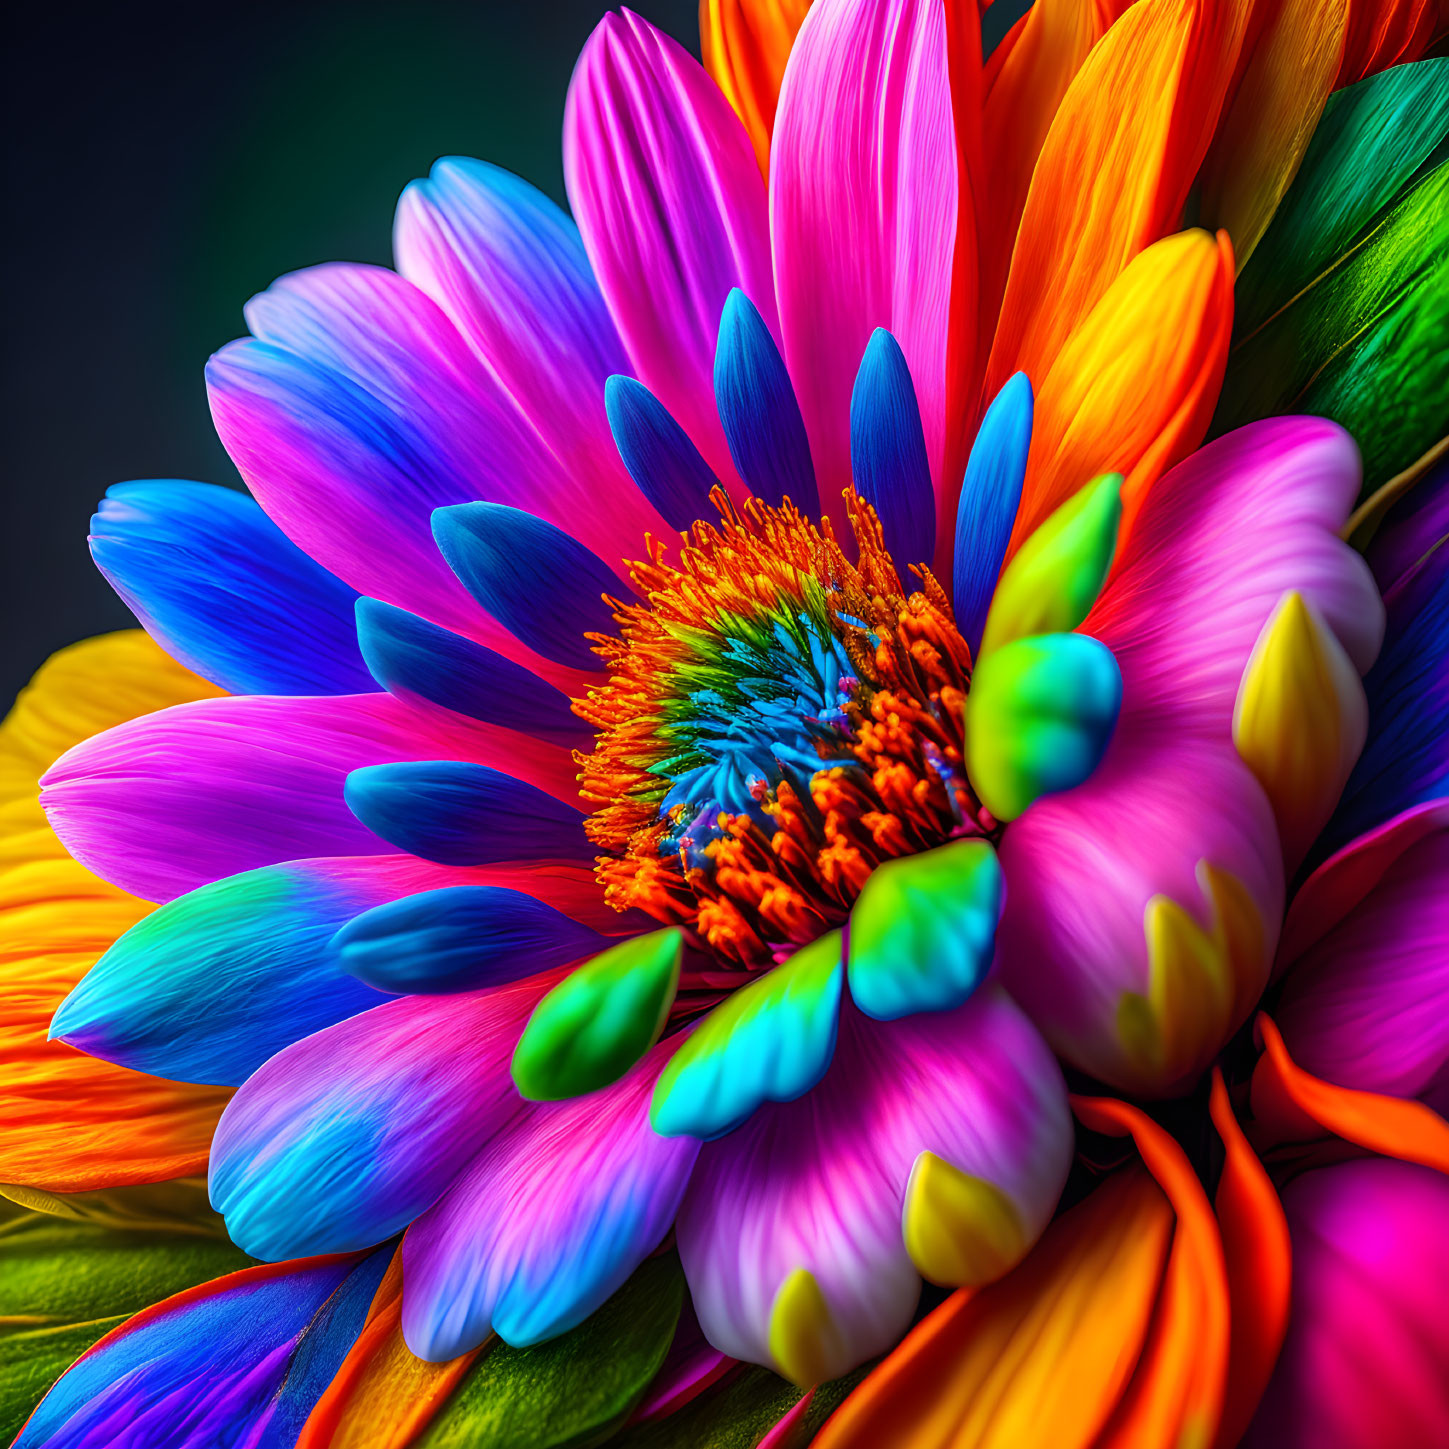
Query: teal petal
(1054,580)
(599,1020)
(769,1042)
(923,931)
(1039,718)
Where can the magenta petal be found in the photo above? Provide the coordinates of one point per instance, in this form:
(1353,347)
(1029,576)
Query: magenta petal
(1365,1360)
(1218,542)
(820,1183)
(507,266)
(668,196)
(343,1138)
(165,803)
(863,213)
(547,1221)
(1365,1006)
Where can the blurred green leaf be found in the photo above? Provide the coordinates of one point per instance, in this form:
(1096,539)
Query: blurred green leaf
(575,1390)
(63,1284)
(1342,309)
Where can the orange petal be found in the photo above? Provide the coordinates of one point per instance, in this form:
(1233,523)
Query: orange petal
(1176,1395)
(383,1396)
(1275,110)
(1260,1269)
(1291,1105)
(1382,34)
(1114,170)
(70,1122)
(1133,389)
(1039,1357)
(1028,74)
(746,44)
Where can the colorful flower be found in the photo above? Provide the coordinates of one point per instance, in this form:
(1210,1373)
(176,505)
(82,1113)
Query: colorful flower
(731,687)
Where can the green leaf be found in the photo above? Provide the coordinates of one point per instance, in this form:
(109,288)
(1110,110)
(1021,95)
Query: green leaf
(64,1284)
(573,1391)
(740,1413)
(1341,311)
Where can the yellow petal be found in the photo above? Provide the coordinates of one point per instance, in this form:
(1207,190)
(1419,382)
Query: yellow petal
(1300,720)
(804,1340)
(959,1229)
(746,44)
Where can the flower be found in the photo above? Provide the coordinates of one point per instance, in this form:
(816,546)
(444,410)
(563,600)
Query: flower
(822,672)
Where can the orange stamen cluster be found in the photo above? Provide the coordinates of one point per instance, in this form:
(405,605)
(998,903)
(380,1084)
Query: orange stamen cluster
(890,782)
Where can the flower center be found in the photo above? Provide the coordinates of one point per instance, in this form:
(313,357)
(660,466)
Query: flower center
(778,722)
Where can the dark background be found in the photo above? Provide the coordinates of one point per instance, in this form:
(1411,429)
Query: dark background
(165,162)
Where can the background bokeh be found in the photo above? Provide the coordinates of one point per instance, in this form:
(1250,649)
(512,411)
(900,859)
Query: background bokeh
(165,162)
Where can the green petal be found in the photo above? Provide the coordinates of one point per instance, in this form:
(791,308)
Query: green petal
(923,930)
(1056,575)
(769,1042)
(1343,309)
(599,1020)
(1039,718)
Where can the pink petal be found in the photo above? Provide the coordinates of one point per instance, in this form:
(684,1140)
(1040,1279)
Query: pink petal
(547,1221)
(667,192)
(1218,542)
(165,803)
(819,1183)
(863,214)
(1368,1342)
(1365,1006)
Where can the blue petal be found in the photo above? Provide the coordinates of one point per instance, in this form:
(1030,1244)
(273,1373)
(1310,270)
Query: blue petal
(543,586)
(669,469)
(1405,760)
(408,655)
(242,1359)
(209,986)
(223,590)
(459,813)
(757,407)
(888,451)
(989,500)
(460,938)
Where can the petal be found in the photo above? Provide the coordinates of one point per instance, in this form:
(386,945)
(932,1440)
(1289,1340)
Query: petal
(213,983)
(249,1352)
(1042,1356)
(547,1222)
(167,803)
(888,459)
(1103,881)
(343,1138)
(225,591)
(459,813)
(1380,36)
(660,458)
(1364,1359)
(990,497)
(863,214)
(668,197)
(791,1231)
(508,266)
(1364,1006)
(1132,389)
(1113,172)
(69,1122)
(543,586)
(416,660)
(758,411)
(771,1041)
(461,938)
(1274,110)
(746,44)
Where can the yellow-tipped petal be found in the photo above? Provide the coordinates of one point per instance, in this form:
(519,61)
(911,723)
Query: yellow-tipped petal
(1300,720)
(804,1339)
(1201,984)
(960,1230)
